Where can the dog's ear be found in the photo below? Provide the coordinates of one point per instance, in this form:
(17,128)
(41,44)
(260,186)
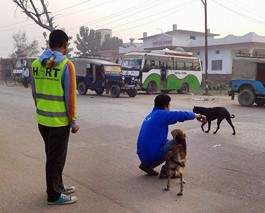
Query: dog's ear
(178,133)
(175,132)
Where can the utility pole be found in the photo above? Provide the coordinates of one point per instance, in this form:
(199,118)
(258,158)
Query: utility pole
(206,46)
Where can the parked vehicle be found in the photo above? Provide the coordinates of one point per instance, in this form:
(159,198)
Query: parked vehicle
(164,70)
(100,75)
(248,81)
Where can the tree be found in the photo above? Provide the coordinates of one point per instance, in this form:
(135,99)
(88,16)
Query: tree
(112,43)
(42,16)
(87,41)
(23,46)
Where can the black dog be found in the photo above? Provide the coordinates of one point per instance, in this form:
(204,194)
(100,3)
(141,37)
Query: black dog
(213,113)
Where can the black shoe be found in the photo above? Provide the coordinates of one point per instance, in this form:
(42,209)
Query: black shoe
(148,169)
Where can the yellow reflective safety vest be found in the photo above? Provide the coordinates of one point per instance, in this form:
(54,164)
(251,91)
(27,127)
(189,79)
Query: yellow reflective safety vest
(51,109)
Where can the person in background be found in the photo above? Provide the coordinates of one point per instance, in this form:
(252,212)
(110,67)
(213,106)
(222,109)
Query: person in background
(25,75)
(152,143)
(54,93)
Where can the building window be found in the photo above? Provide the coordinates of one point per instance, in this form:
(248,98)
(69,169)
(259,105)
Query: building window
(217,52)
(198,53)
(192,37)
(217,64)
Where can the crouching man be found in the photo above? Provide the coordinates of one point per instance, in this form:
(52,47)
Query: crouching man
(152,143)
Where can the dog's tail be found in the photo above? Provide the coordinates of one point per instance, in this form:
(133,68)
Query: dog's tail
(232,116)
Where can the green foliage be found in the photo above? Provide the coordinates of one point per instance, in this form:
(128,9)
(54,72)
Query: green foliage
(22,45)
(215,85)
(88,41)
(111,44)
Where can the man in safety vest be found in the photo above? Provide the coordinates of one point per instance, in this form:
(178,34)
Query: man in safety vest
(54,93)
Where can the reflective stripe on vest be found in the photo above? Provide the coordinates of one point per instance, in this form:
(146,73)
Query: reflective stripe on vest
(49,97)
(51,109)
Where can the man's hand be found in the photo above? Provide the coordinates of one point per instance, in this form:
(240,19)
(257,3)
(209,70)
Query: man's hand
(201,118)
(75,129)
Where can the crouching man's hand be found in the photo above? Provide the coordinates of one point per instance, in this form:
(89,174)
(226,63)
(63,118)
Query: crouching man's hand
(201,118)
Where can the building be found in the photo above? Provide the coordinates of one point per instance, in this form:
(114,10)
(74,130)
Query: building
(221,51)
(105,34)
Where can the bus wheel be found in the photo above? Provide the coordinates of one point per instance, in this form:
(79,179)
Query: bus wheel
(82,89)
(132,92)
(185,88)
(115,91)
(151,88)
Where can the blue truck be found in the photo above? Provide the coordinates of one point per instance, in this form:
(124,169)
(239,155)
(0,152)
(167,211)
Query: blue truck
(248,81)
(100,75)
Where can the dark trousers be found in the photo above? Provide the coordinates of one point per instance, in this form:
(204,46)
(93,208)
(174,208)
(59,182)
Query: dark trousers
(56,143)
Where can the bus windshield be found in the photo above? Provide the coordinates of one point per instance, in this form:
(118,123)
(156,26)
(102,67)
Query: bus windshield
(132,62)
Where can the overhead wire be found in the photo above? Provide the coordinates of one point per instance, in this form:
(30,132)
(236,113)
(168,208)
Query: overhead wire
(249,18)
(135,13)
(136,7)
(119,14)
(66,8)
(92,7)
(185,5)
(247,8)
(33,25)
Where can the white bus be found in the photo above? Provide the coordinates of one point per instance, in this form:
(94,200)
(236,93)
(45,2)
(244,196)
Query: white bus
(164,70)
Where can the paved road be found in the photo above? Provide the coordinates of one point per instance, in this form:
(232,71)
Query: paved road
(102,163)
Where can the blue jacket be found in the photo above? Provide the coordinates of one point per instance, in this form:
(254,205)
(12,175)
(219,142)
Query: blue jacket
(154,131)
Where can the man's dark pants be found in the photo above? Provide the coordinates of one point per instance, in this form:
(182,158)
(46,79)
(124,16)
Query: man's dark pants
(56,143)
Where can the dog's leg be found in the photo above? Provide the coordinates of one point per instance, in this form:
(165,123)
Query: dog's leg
(219,120)
(181,184)
(168,179)
(231,124)
(209,126)
(202,126)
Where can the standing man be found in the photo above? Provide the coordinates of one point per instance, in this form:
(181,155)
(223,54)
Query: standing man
(54,93)
(152,143)
(163,77)
(25,75)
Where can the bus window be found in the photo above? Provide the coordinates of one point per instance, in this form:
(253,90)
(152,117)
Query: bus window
(170,65)
(188,66)
(180,66)
(155,64)
(196,66)
(147,66)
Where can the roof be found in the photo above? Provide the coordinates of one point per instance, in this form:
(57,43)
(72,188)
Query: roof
(181,31)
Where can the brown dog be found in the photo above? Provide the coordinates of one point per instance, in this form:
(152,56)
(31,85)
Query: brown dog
(176,158)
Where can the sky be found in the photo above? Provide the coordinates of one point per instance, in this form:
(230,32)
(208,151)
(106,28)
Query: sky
(130,18)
